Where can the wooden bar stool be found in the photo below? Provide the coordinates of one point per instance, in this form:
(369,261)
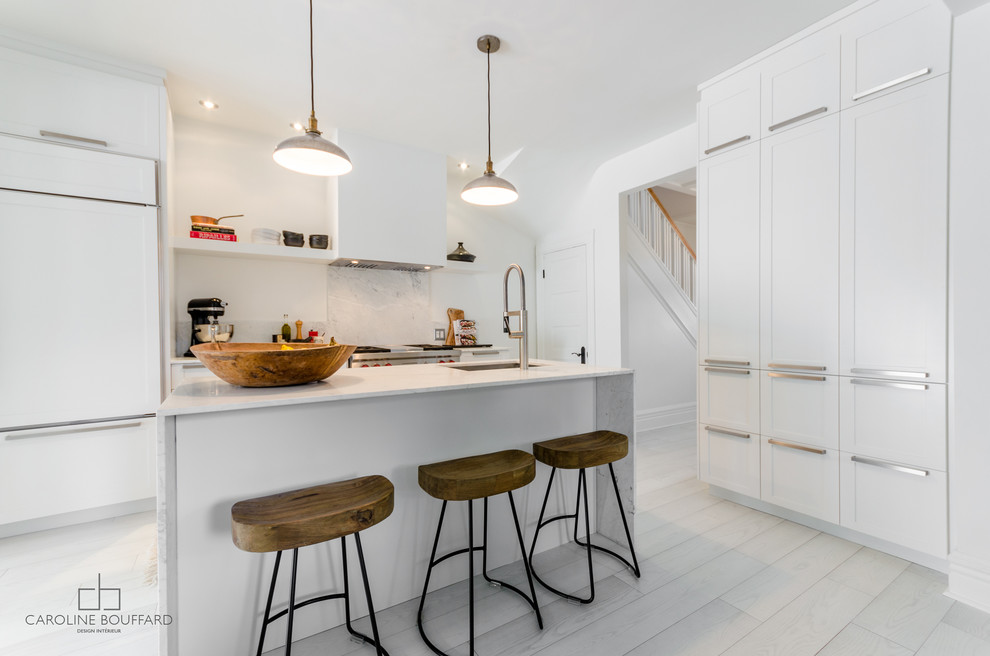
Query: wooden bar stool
(300,518)
(467,479)
(581,452)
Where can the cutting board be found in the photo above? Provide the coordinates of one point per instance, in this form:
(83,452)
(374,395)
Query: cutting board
(453,314)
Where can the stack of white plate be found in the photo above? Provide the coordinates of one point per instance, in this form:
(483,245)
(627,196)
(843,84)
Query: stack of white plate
(266,236)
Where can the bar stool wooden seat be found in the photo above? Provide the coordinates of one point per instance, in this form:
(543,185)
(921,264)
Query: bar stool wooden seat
(467,479)
(581,452)
(300,518)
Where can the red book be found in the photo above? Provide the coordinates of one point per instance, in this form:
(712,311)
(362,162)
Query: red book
(219,236)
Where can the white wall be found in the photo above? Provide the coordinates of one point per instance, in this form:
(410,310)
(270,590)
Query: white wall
(664,360)
(598,208)
(969,308)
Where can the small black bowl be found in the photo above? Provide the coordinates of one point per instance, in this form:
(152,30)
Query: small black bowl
(290,238)
(318,241)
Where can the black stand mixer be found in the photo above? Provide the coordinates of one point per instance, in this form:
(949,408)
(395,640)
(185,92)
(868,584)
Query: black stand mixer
(204,313)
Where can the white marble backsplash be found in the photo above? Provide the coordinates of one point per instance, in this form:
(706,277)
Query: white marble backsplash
(378,307)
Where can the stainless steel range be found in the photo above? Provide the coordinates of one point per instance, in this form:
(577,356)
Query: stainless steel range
(392,355)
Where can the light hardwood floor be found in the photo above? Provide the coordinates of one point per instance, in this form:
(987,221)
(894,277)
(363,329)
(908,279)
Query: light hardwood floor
(718,578)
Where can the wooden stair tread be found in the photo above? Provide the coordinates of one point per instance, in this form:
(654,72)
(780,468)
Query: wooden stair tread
(478,476)
(584,450)
(299,518)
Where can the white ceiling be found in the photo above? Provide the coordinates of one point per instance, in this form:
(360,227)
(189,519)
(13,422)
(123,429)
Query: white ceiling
(575,83)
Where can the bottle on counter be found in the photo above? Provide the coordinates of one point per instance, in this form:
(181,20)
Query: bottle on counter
(286,330)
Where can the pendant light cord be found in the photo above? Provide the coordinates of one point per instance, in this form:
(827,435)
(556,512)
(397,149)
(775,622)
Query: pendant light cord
(488,55)
(312,84)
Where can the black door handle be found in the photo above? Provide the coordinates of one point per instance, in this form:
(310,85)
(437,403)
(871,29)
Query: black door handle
(583,354)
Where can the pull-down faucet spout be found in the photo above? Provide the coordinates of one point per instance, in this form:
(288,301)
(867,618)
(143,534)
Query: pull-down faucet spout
(523,333)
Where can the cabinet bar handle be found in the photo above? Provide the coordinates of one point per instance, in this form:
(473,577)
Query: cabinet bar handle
(735,363)
(724,370)
(814,112)
(727,144)
(712,429)
(776,374)
(892,83)
(889,465)
(78,422)
(31,435)
(799,447)
(801,367)
(891,374)
(884,383)
(59,135)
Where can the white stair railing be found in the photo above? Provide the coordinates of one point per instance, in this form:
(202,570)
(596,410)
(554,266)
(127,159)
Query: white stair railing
(647,214)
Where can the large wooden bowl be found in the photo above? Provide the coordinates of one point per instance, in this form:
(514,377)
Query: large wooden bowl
(267,365)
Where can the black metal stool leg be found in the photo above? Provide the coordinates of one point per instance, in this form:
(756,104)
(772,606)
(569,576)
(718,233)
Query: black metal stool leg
(379,649)
(625,524)
(583,486)
(470,580)
(529,572)
(426,584)
(268,606)
(292,602)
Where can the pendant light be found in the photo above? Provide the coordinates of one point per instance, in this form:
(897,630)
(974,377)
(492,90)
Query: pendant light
(310,153)
(489,189)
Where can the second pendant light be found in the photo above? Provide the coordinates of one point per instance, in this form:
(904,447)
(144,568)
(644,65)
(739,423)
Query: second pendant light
(489,189)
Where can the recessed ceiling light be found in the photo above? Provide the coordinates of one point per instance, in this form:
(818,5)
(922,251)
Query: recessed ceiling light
(297,126)
(426,268)
(464,166)
(209,104)
(355,262)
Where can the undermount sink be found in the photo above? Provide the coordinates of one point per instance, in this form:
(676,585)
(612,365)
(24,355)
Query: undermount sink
(485,366)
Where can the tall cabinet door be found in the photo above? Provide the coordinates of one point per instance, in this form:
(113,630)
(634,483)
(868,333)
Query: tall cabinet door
(800,233)
(893,234)
(729,267)
(86,273)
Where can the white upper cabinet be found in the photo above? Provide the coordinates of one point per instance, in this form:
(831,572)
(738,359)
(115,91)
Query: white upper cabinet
(892,44)
(893,229)
(729,268)
(56,101)
(800,253)
(729,115)
(801,82)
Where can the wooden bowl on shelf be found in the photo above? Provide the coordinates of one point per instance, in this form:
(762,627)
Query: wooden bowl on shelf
(267,365)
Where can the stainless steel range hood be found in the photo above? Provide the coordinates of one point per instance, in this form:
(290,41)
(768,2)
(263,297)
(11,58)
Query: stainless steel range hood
(347,263)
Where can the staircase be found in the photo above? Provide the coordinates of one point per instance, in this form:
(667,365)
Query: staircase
(652,222)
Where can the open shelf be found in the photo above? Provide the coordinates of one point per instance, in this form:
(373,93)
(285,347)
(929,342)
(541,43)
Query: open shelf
(248,250)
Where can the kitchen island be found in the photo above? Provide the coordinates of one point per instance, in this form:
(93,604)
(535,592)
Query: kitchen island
(219,444)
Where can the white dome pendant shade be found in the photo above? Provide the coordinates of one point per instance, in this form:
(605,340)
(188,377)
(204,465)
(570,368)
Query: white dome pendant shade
(489,189)
(310,153)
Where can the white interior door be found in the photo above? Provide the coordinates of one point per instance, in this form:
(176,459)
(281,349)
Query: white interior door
(564,304)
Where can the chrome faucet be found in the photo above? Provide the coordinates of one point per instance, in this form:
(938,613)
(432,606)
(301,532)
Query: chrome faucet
(523,333)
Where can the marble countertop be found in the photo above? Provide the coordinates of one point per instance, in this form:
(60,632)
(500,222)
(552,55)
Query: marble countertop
(214,395)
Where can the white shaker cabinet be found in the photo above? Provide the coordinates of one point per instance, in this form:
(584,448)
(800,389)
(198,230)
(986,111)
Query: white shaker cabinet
(729,459)
(801,477)
(896,420)
(61,102)
(730,397)
(800,83)
(729,113)
(892,501)
(893,227)
(729,267)
(800,407)
(800,249)
(893,44)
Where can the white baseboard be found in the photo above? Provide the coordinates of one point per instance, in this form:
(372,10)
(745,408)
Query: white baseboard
(969,580)
(927,560)
(671,415)
(78,517)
